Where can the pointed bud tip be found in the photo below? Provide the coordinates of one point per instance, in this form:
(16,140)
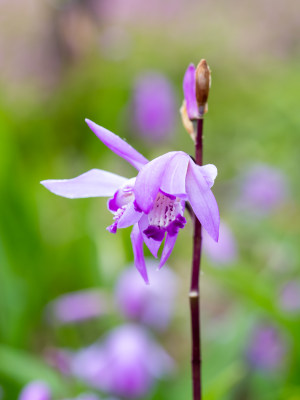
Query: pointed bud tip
(202,64)
(203,80)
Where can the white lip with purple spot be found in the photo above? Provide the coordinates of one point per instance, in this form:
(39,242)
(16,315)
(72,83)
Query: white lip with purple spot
(165,216)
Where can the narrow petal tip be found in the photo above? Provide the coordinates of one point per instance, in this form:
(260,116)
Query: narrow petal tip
(216,238)
(44,183)
(92,125)
(118,145)
(214,229)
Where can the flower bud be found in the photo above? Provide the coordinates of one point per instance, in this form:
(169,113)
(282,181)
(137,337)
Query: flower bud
(203,81)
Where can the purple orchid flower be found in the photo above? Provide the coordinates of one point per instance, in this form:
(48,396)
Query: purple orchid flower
(36,390)
(154,201)
(263,190)
(77,307)
(154,108)
(152,304)
(266,349)
(289,298)
(126,362)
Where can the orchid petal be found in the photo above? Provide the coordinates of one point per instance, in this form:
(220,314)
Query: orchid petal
(149,180)
(189,91)
(202,200)
(209,172)
(94,183)
(118,146)
(168,247)
(129,217)
(137,245)
(173,181)
(153,245)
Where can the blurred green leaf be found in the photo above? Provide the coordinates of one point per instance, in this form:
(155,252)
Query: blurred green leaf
(23,368)
(224,382)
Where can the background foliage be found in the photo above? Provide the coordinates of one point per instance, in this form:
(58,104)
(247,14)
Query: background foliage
(63,61)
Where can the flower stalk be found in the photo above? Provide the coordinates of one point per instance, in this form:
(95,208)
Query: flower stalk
(194,294)
(202,79)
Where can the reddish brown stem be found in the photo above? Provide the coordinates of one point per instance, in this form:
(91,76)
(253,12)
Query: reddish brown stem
(194,288)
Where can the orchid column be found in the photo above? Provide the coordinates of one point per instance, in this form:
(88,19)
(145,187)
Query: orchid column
(196,86)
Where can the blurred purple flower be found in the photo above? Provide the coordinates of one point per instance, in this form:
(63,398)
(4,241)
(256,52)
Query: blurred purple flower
(126,363)
(266,349)
(263,189)
(154,201)
(290,297)
(154,107)
(36,390)
(151,304)
(59,359)
(77,306)
(225,250)
(87,396)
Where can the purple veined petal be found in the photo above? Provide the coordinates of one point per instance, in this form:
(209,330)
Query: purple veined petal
(202,200)
(137,245)
(189,91)
(173,181)
(149,180)
(168,247)
(93,183)
(129,217)
(118,146)
(153,245)
(210,172)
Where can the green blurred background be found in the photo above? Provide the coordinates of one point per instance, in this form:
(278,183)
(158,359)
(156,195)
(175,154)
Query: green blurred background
(63,61)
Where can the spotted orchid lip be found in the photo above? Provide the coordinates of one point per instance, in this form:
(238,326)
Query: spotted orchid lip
(158,232)
(154,232)
(166,215)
